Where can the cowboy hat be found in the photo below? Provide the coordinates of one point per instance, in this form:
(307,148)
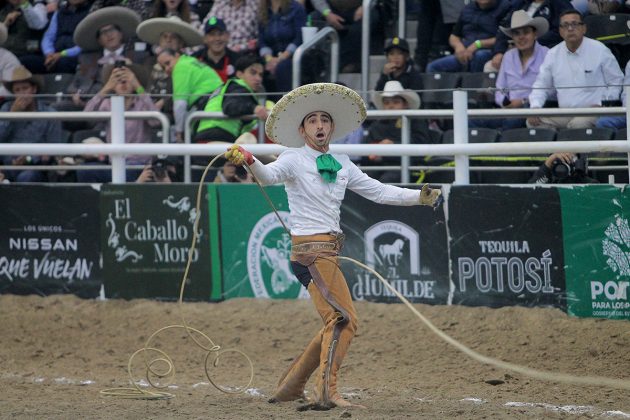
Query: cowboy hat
(87,31)
(394,88)
(521,19)
(150,30)
(344,105)
(4,34)
(21,74)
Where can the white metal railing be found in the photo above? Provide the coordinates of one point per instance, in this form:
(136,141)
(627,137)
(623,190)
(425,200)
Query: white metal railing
(460,149)
(323,33)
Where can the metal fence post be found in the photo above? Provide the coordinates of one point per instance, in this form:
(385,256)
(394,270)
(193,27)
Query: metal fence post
(404,160)
(119,175)
(460,134)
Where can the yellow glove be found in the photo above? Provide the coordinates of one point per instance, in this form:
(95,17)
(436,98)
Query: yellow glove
(429,196)
(237,155)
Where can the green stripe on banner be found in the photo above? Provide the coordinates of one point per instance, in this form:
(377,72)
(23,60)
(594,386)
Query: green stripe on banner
(255,249)
(216,293)
(597,250)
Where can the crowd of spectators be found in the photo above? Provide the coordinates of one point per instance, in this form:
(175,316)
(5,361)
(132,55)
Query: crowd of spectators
(234,56)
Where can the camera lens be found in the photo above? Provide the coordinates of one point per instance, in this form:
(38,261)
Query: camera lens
(561,170)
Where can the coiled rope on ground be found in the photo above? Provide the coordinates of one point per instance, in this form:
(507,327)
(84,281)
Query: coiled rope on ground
(161,365)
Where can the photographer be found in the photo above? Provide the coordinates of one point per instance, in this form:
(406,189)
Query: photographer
(161,170)
(563,168)
(122,81)
(232,173)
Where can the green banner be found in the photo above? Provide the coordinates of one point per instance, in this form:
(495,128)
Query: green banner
(146,233)
(255,248)
(597,250)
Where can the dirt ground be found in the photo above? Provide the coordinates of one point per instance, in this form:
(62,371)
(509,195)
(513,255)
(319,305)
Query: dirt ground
(59,352)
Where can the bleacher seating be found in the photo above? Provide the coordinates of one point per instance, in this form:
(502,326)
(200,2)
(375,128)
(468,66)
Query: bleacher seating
(56,84)
(528,135)
(584,134)
(484,83)
(438,81)
(475,135)
(611,28)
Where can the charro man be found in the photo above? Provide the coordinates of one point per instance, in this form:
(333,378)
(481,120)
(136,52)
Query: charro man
(306,120)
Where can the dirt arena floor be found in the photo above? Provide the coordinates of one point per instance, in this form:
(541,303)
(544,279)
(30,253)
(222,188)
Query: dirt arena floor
(59,352)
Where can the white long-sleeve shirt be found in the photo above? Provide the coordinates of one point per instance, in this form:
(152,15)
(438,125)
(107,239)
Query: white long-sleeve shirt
(592,64)
(314,204)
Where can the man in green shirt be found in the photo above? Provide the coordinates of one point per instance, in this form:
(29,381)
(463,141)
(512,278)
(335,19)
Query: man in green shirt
(192,81)
(238,97)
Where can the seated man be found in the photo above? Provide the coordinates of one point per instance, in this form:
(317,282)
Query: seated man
(60,51)
(193,82)
(549,10)
(24,86)
(582,71)
(166,33)
(215,53)
(399,66)
(101,35)
(122,81)
(388,131)
(519,69)
(617,122)
(238,97)
(473,37)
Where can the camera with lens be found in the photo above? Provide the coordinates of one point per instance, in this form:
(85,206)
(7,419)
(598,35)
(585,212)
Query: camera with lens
(159,168)
(562,170)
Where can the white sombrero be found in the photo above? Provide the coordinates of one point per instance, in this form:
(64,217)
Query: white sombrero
(344,105)
(151,29)
(521,19)
(86,32)
(395,88)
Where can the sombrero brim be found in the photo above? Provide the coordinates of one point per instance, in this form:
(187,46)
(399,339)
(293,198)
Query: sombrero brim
(412,98)
(344,105)
(86,32)
(4,34)
(539,23)
(150,30)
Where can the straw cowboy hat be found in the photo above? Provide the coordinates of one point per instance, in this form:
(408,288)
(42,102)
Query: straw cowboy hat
(521,19)
(344,105)
(150,30)
(21,74)
(86,32)
(4,34)
(394,88)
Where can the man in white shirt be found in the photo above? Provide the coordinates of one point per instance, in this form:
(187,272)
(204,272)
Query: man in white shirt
(582,71)
(316,182)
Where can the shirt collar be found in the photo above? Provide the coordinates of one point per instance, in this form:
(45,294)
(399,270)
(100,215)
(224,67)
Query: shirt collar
(119,51)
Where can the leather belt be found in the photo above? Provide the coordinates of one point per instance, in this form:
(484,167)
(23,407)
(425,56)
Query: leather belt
(314,247)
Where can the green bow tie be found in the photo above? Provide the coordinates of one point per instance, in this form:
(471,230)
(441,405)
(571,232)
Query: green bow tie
(328,167)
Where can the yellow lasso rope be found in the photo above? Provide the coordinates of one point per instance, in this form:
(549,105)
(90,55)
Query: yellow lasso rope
(533,373)
(161,365)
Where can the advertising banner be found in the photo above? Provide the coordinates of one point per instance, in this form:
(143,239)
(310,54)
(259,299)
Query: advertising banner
(506,246)
(597,250)
(405,245)
(146,234)
(49,240)
(255,248)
